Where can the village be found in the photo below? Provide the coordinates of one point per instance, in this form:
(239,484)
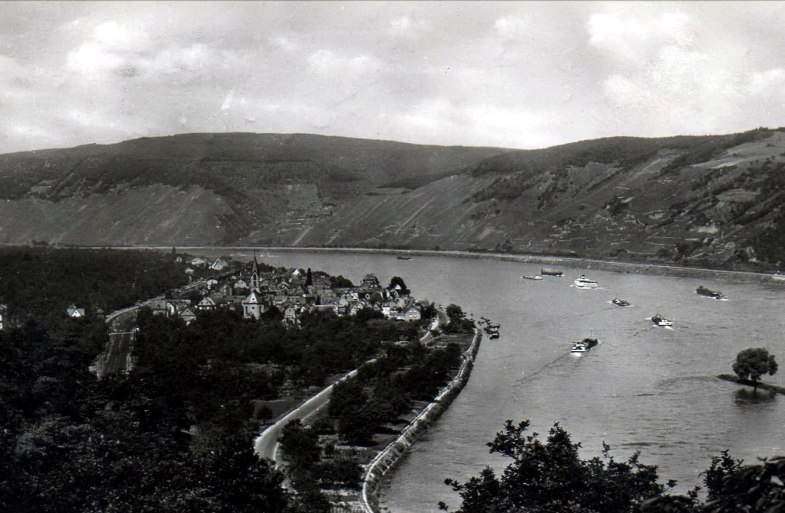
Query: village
(256,289)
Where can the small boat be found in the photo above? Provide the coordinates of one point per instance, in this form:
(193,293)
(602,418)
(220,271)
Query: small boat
(583,346)
(659,320)
(527,277)
(620,302)
(778,277)
(584,283)
(399,257)
(546,271)
(703,291)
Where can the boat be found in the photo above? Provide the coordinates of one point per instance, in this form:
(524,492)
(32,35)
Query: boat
(546,271)
(584,283)
(659,320)
(399,257)
(620,302)
(703,291)
(583,346)
(492,330)
(527,277)
(778,277)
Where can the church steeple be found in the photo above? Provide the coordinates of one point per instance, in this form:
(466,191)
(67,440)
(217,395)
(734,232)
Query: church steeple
(255,274)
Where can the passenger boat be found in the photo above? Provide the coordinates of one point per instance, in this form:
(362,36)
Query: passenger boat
(546,271)
(583,346)
(527,277)
(703,291)
(584,283)
(659,320)
(620,302)
(399,257)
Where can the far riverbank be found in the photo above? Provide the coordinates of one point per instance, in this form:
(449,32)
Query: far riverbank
(654,269)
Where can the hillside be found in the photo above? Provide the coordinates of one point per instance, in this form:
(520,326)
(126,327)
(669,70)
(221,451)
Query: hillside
(712,200)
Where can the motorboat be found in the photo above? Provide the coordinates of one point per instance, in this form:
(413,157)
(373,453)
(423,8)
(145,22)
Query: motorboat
(527,277)
(659,320)
(583,346)
(703,291)
(399,257)
(620,302)
(546,271)
(584,283)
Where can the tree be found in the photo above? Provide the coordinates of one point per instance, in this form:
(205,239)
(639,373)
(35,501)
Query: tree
(300,444)
(753,363)
(550,477)
(398,281)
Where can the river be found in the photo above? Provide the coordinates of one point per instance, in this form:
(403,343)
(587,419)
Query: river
(643,388)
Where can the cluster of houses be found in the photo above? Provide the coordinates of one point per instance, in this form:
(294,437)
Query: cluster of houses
(292,292)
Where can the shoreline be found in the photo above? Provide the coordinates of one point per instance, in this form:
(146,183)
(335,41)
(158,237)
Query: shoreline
(654,269)
(763,386)
(390,456)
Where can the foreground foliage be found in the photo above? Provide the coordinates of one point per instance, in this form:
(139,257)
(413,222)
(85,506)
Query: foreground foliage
(550,477)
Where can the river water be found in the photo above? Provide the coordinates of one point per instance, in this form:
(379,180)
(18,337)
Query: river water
(643,388)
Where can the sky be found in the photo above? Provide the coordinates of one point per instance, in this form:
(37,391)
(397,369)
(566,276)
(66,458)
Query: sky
(507,74)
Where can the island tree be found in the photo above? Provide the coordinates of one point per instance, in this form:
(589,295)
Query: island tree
(753,363)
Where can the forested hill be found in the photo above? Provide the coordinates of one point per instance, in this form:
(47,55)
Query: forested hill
(713,200)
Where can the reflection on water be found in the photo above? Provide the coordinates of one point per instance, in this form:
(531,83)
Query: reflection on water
(745,397)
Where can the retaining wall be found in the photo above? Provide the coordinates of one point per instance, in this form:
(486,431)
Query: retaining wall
(391,455)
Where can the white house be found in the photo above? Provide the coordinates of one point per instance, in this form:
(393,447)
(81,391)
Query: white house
(219,265)
(74,312)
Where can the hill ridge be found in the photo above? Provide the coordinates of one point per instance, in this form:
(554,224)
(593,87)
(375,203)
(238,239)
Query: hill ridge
(712,199)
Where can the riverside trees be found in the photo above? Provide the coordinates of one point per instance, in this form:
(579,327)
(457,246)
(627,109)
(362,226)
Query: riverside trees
(753,363)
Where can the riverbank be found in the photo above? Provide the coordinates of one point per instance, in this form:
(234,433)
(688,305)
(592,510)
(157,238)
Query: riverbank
(650,268)
(388,458)
(763,386)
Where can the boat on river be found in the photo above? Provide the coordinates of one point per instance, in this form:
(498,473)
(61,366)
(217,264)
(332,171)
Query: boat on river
(583,346)
(399,257)
(584,283)
(659,320)
(620,302)
(703,291)
(547,271)
(527,277)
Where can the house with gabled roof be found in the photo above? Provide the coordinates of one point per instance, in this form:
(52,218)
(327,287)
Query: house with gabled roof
(207,303)
(74,312)
(219,265)
(188,314)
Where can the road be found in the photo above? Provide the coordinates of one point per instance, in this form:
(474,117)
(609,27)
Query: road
(266,444)
(122,333)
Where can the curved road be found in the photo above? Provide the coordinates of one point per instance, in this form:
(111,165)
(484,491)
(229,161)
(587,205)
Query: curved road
(266,444)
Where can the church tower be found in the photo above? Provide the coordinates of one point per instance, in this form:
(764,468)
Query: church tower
(254,275)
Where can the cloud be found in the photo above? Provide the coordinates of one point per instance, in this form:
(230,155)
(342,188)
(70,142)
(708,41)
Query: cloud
(628,38)
(767,82)
(473,124)
(327,62)
(509,27)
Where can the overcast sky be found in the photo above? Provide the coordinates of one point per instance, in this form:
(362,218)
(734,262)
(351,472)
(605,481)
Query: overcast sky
(521,75)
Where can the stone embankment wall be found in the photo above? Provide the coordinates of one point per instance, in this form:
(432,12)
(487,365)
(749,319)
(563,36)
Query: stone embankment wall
(389,457)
